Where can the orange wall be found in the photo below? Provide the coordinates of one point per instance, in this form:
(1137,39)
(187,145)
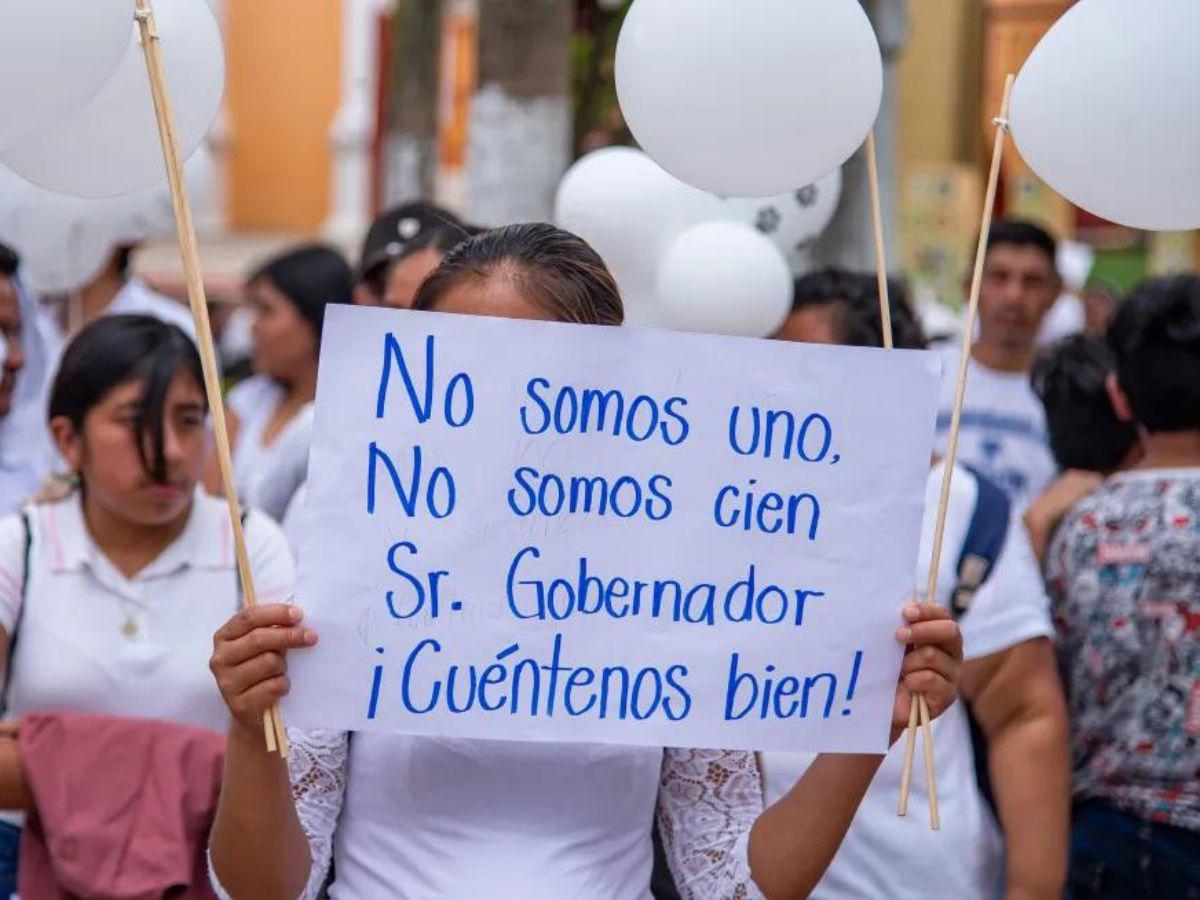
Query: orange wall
(284,85)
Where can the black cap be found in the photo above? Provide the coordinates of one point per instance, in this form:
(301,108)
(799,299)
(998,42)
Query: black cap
(395,231)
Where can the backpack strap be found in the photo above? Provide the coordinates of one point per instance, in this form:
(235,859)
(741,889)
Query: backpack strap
(27,527)
(983,544)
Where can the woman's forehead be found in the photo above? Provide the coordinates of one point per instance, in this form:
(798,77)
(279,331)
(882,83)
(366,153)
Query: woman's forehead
(496,294)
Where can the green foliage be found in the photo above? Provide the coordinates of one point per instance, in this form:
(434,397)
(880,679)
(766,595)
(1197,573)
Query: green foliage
(598,119)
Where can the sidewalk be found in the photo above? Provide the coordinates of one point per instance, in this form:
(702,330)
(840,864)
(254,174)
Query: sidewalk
(225,258)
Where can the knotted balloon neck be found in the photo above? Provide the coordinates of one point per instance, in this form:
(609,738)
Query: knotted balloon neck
(144,16)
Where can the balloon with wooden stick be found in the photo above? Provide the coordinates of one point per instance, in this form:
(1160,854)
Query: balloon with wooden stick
(920,710)
(276,736)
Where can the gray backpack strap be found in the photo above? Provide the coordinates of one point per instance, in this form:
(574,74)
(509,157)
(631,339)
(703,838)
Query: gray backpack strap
(27,526)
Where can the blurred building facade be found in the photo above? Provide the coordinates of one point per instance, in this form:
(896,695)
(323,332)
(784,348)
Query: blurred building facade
(337,107)
(951,79)
(342,106)
(296,136)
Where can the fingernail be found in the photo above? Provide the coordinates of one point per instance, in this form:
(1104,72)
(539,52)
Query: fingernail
(296,613)
(310,637)
(912,612)
(904,635)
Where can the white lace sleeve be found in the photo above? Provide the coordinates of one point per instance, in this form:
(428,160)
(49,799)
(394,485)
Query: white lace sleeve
(707,802)
(317,765)
(317,768)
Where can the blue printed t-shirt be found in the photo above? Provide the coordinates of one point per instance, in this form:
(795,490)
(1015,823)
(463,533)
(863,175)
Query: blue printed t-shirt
(1003,433)
(1123,573)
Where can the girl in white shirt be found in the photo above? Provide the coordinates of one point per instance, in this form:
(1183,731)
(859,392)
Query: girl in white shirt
(107,597)
(288,296)
(404,246)
(415,817)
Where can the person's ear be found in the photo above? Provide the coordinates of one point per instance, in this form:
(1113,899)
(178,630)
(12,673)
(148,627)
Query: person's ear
(69,441)
(1116,396)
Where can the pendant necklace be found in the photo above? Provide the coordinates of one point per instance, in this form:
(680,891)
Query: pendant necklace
(129,625)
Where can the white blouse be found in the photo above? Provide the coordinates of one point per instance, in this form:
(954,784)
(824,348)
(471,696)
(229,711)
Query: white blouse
(255,401)
(90,640)
(429,818)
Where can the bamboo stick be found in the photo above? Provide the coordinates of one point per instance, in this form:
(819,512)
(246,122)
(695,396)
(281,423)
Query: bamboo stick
(276,736)
(968,338)
(885,303)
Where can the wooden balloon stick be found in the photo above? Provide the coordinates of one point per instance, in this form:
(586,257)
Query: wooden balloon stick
(885,305)
(964,361)
(915,719)
(276,736)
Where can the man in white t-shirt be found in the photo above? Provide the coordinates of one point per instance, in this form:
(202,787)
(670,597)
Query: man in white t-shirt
(1003,433)
(1009,680)
(990,579)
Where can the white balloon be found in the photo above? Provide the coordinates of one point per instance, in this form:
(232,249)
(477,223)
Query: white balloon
(64,242)
(793,221)
(642,309)
(150,212)
(750,98)
(629,210)
(1107,111)
(55,55)
(725,278)
(112,147)
(60,249)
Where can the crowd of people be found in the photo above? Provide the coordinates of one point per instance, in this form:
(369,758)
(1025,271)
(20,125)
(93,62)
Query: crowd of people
(132,759)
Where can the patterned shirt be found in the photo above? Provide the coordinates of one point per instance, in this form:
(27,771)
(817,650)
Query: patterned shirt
(1124,579)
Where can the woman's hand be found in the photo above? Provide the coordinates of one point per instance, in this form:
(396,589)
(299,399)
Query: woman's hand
(249,659)
(931,665)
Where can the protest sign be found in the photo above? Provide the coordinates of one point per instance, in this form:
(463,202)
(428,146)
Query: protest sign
(535,531)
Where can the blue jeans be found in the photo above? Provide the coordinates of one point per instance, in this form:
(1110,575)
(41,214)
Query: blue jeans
(1119,856)
(10,852)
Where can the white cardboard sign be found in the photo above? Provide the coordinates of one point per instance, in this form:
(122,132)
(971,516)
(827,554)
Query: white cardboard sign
(534,531)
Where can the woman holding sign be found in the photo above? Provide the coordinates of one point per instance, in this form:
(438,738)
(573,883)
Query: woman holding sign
(406,816)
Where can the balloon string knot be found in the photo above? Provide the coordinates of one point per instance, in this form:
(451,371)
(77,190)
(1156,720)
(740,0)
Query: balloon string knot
(1001,123)
(144,16)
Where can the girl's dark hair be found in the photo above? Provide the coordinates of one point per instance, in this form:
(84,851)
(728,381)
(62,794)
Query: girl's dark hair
(854,297)
(1070,378)
(1155,337)
(311,277)
(553,268)
(113,350)
(9,261)
(123,261)
(439,238)
(1019,233)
